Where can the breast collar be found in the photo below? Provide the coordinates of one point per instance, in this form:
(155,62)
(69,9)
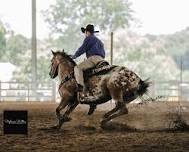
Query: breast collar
(66,79)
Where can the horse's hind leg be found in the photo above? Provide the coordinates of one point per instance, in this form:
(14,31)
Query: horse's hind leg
(117,96)
(121,111)
(121,108)
(109,113)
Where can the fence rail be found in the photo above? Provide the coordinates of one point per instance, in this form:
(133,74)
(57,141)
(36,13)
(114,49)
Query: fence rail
(172,90)
(25,91)
(46,91)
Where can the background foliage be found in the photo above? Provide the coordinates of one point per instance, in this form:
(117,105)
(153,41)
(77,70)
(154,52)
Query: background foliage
(154,56)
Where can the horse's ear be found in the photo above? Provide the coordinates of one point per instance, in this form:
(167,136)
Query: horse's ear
(63,50)
(53,52)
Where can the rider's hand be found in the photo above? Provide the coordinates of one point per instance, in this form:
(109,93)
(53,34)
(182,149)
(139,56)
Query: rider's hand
(73,56)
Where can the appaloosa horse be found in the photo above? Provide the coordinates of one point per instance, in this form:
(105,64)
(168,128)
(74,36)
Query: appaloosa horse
(109,82)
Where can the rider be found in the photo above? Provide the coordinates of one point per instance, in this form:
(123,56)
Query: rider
(94,49)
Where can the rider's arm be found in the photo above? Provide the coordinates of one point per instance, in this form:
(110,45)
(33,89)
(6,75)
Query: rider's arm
(83,48)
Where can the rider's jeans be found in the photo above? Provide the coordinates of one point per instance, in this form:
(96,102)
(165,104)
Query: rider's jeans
(86,64)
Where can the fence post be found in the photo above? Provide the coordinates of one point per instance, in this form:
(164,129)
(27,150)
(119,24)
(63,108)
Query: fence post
(28,85)
(53,91)
(181,67)
(153,88)
(111,54)
(0,90)
(111,49)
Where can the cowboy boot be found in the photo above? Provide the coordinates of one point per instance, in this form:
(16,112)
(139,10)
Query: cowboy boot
(80,88)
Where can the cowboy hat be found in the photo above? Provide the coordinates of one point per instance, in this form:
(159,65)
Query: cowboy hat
(89,28)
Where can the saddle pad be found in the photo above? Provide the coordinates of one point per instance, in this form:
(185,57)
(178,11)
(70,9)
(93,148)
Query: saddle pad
(98,71)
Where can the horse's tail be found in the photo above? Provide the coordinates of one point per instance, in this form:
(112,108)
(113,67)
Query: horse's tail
(143,87)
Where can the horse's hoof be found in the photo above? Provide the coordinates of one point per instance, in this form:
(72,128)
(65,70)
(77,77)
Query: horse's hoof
(59,117)
(104,121)
(66,119)
(55,127)
(124,111)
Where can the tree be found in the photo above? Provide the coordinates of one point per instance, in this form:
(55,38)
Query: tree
(2,40)
(17,49)
(66,17)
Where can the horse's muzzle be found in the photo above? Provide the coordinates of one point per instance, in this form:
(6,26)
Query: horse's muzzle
(50,75)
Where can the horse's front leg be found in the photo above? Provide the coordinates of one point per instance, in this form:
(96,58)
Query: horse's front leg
(65,117)
(62,105)
(70,108)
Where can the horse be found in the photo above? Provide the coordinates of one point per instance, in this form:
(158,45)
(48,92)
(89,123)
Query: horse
(112,82)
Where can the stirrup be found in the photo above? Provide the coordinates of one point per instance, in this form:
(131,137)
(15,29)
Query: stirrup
(80,96)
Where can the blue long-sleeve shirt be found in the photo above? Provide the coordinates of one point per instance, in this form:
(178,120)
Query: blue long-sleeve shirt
(91,46)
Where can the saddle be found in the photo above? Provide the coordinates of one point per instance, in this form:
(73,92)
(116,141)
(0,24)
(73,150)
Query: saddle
(101,68)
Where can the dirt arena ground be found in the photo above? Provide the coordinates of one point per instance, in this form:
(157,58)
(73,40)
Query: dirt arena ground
(144,129)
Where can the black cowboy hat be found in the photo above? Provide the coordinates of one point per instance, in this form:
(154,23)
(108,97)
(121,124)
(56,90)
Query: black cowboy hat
(89,28)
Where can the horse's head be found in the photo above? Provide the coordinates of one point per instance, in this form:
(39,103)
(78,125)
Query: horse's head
(59,57)
(55,61)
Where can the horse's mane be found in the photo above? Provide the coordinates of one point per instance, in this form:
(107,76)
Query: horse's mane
(68,57)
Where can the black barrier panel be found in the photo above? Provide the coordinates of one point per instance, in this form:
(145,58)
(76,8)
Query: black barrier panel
(15,122)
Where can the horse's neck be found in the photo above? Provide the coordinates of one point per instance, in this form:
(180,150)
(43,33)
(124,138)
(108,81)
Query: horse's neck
(64,69)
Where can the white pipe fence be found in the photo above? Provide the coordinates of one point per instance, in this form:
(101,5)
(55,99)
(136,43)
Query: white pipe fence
(23,91)
(171,90)
(47,91)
